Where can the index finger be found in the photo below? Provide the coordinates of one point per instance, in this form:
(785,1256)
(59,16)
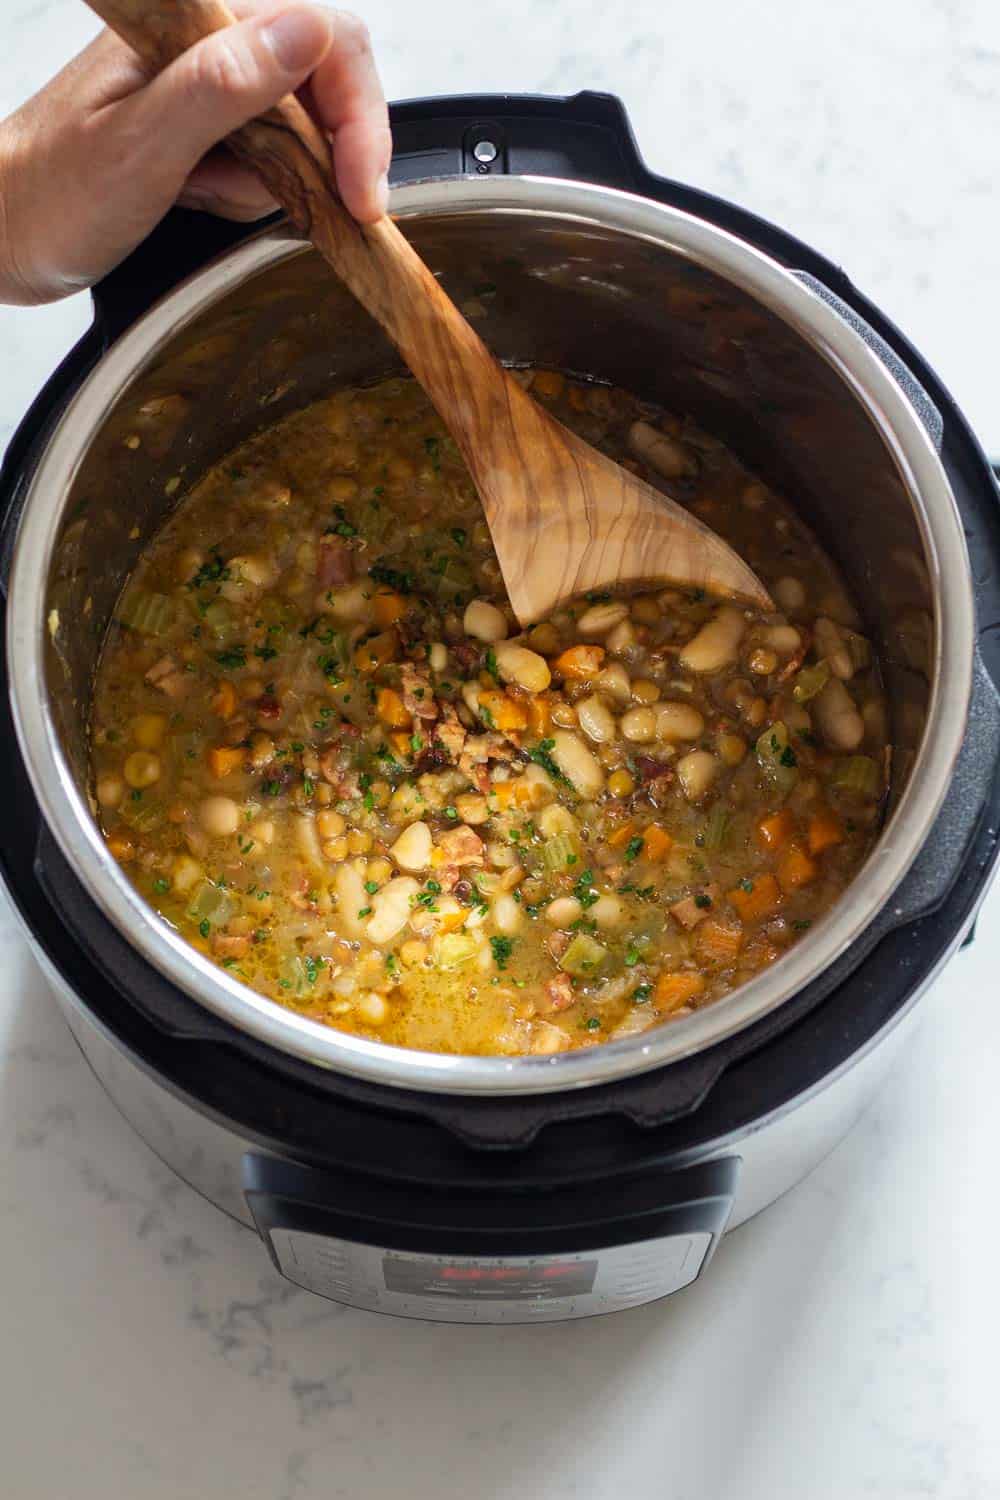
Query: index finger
(348,101)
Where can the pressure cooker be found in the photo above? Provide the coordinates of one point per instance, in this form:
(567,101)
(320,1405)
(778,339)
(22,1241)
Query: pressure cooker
(506,1189)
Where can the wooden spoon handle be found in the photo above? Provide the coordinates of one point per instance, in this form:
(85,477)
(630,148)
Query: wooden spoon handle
(292,156)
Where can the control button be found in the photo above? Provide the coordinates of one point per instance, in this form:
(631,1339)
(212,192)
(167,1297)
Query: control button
(484,152)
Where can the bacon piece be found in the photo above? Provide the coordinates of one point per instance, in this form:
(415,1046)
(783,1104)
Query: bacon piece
(335,564)
(167,677)
(460,846)
(559,993)
(418,694)
(268,707)
(450,733)
(225,945)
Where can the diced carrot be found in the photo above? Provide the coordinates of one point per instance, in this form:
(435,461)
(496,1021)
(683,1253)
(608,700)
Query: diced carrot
(506,714)
(580,662)
(674,990)
(376,651)
(388,607)
(224,759)
(224,700)
(622,834)
(518,791)
(718,942)
(399,740)
(656,842)
(795,868)
(540,714)
(548,383)
(122,848)
(391,709)
(755,898)
(825,830)
(777,829)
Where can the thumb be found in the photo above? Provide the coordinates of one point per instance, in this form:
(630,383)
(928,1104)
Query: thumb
(223,82)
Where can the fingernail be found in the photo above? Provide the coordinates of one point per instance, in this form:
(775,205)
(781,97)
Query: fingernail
(382,193)
(298,37)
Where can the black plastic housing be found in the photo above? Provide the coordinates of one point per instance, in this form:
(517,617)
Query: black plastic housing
(321,1117)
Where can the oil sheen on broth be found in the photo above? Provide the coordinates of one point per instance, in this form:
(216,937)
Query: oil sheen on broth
(325,753)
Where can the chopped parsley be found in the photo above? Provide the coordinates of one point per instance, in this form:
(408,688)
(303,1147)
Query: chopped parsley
(502,949)
(382,573)
(584,890)
(212,571)
(702,902)
(204,927)
(491,665)
(641,993)
(237,657)
(160,885)
(633,848)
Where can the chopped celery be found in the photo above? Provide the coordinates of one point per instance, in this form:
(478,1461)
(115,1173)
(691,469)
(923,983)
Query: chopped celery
(560,853)
(716,830)
(218,619)
(453,949)
(776,757)
(211,904)
(142,814)
(810,681)
(296,973)
(857,775)
(584,957)
(152,614)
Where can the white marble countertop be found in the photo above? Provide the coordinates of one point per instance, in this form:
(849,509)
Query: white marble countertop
(842,1344)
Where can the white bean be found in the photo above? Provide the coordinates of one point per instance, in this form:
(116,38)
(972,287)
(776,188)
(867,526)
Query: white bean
(789,593)
(577,763)
(836,716)
(349,604)
(390,909)
(639,725)
(412,850)
(662,453)
(716,643)
(525,668)
(349,888)
(437,656)
(678,721)
(831,644)
(621,639)
(371,1008)
(557,819)
(600,618)
(596,719)
(563,911)
(219,816)
(607,911)
(615,681)
(306,839)
(784,639)
(110,790)
(696,771)
(484,621)
(507,914)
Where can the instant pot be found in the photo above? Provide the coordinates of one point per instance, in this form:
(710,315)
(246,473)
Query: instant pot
(506,1189)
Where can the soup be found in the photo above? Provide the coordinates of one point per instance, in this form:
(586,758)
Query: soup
(325,752)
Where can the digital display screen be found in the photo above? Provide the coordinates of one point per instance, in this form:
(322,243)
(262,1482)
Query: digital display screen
(507,1281)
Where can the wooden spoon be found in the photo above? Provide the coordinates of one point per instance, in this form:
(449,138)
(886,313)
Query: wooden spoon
(564,518)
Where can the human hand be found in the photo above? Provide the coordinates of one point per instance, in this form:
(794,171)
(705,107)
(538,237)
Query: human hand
(92,162)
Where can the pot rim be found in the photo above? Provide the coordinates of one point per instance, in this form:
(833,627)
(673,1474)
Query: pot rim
(921,472)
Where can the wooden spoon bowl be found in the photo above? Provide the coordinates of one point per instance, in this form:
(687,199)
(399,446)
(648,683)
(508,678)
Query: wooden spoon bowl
(564,518)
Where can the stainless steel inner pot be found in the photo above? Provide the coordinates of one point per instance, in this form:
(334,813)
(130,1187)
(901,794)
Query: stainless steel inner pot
(593,281)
